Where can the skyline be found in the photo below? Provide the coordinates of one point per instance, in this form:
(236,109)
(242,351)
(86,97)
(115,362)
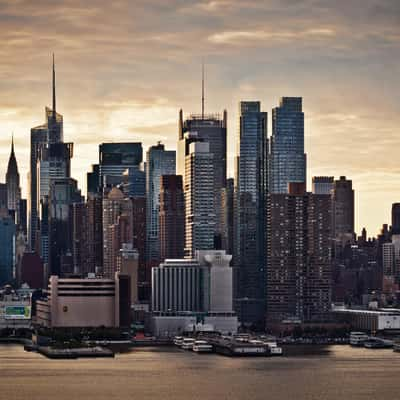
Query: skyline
(128,82)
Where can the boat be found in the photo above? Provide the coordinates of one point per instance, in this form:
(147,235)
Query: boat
(396,347)
(178,340)
(201,346)
(377,343)
(274,349)
(187,343)
(358,338)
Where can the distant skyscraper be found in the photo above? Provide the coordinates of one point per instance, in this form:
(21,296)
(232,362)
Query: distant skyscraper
(396,218)
(63,193)
(41,136)
(116,158)
(158,162)
(7,249)
(228,216)
(322,184)
(210,128)
(200,213)
(112,209)
(299,269)
(94,206)
(172,217)
(287,160)
(250,209)
(3,196)
(343,216)
(12,181)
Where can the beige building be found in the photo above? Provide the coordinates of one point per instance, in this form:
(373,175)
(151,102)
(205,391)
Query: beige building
(89,303)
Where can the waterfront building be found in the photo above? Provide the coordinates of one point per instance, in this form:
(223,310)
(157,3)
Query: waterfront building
(299,273)
(250,214)
(287,157)
(172,217)
(159,162)
(85,303)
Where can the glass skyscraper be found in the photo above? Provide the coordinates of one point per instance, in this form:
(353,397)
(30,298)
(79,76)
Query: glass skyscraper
(287,159)
(159,162)
(250,209)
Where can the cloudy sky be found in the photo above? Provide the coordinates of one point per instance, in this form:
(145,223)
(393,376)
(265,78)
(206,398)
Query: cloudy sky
(125,67)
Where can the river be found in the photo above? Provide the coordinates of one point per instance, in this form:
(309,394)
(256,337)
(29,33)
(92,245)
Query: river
(312,373)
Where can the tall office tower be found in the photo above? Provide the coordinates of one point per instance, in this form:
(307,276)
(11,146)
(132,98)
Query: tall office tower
(210,128)
(12,181)
(23,216)
(287,157)
(395,218)
(50,132)
(172,217)
(158,162)
(322,184)
(94,228)
(128,264)
(80,246)
(112,209)
(93,180)
(115,159)
(7,249)
(299,262)
(227,223)
(250,209)
(134,182)
(63,193)
(54,163)
(343,214)
(3,196)
(200,214)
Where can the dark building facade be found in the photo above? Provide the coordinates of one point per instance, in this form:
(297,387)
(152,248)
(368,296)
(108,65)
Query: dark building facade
(299,273)
(250,209)
(396,218)
(172,217)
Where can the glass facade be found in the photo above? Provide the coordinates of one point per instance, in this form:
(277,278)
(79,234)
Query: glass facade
(250,210)
(288,161)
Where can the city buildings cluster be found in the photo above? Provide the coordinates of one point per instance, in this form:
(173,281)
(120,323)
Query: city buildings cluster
(167,232)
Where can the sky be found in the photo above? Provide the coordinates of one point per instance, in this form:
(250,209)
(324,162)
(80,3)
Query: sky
(126,67)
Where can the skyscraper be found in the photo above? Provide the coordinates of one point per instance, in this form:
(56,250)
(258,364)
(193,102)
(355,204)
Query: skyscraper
(210,128)
(200,213)
(7,249)
(172,217)
(343,215)
(250,209)
(41,136)
(63,193)
(287,158)
(396,218)
(115,159)
(158,162)
(322,184)
(12,181)
(299,258)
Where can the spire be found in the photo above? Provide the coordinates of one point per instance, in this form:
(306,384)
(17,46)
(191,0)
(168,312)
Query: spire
(202,89)
(12,143)
(54,89)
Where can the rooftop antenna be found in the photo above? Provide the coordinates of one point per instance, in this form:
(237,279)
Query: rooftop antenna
(202,89)
(54,89)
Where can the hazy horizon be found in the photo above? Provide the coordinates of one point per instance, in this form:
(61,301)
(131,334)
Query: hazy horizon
(125,69)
